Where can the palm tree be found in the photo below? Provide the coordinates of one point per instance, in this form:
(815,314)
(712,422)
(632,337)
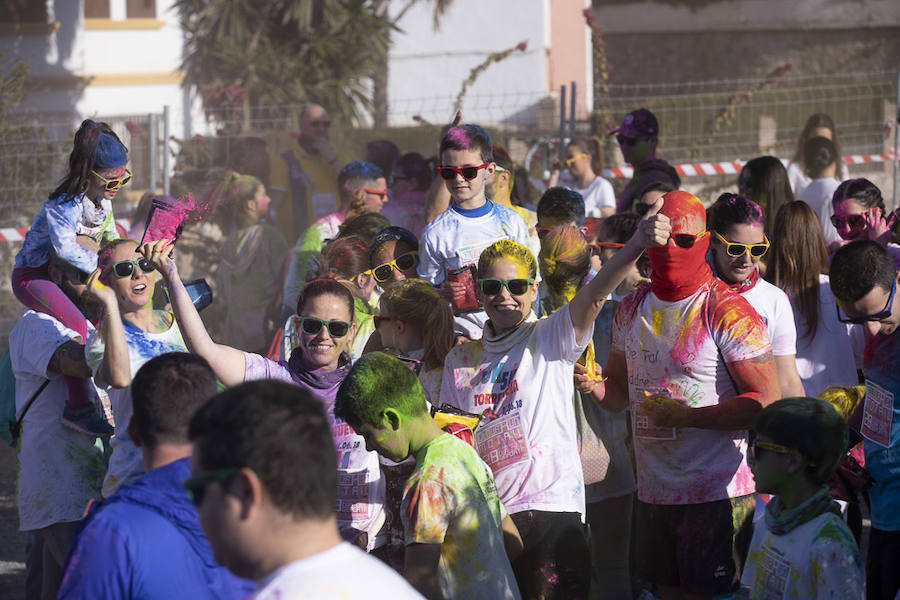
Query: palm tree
(272,52)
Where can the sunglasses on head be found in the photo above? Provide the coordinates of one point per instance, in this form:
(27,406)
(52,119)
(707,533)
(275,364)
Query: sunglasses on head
(468,173)
(571,161)
(125,268)
(379,193)
(404,262)
(686,240)
(879,316)
(850,221)
(336,329)
(736,250)
(516,287)
(114,183)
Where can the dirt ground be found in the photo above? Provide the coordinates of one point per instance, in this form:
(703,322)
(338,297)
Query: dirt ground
(12,541)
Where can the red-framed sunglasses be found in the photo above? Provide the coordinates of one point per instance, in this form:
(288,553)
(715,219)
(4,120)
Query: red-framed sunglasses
(468,173)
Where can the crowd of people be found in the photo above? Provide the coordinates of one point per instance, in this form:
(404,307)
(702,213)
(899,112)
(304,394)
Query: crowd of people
(427,385)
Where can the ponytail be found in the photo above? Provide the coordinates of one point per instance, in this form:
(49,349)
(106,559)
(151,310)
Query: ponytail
(417,302)
(96,146)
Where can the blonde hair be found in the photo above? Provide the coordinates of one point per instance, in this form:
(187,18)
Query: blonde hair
(508,250)
(844,399)
(417,302)
(565,260)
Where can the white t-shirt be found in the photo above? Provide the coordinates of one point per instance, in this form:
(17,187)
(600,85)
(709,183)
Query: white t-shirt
(598,194)
(818,195)
(339,573)
(797,179)
(523,384)
(60,470)
(125,463)
(457,236)
(835,353)
(774,307)
(681,349)
(817,560)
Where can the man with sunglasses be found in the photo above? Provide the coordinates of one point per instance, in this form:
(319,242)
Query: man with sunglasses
(307,171)
(472,222)
(864,282)
(693,361)
(129,541)
(638,136)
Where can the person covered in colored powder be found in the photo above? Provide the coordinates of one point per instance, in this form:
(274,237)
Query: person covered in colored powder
(739,243)
(145,540)
(318,364)
(417,324)
(131,333)
(693,360)
(520,379)
(455,239)
(264,480)
(458,533)
(362,189)
(801,548)
(864,282)
(249,277)
(81,205)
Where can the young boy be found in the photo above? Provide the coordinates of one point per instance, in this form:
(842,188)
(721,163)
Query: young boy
(802,548)
(455,524)
(457,236)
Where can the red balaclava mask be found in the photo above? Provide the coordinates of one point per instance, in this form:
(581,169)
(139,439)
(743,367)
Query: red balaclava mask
(678,272)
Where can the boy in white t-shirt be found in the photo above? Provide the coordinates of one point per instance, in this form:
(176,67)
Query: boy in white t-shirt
(455,238)
(264,480)
(456,527)
(802,548)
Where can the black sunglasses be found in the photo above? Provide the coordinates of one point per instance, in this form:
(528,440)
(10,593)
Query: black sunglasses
(624,140)
(686,240)
(843,318)
(125,268)
(312,326)
(516,287)
(851,221)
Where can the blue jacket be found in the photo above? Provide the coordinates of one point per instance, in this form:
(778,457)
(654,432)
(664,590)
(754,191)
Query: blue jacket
(145,542)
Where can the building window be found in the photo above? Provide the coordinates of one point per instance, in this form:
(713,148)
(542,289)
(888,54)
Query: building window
(23,11)
(140,9)
(96,9)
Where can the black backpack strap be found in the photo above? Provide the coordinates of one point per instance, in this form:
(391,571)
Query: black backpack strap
(16,428)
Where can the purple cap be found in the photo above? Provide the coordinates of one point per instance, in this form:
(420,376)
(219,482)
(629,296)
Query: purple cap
(640,123)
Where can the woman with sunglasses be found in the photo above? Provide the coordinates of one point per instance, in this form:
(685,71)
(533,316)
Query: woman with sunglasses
(584,160)
(319,363)
(826,348)
(520,378)
(859,214)
(131,333)
(80,205)
(739,242)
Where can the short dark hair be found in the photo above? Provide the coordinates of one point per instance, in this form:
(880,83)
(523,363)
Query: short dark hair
(357,170)
(860,189)
(811,426)
(733,209)
(656,186)
(377,382)
(468,137)
(560,206)
(166,392)
(282,433)
(858,267)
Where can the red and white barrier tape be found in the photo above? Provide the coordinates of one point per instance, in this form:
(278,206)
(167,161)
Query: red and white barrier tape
(734,167)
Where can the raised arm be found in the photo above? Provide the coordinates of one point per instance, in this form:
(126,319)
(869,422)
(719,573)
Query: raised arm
(116,366)
(227,363)
(69,360)
(653,230)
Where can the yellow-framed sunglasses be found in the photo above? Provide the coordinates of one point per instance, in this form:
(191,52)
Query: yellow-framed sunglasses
(571,161)
(736,250)
(114,183)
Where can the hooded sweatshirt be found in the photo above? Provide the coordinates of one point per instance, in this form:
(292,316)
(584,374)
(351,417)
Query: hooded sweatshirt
(145,542)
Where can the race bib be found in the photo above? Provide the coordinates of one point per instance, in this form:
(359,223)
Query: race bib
(501,442)
(878,415)
(772,574)
(643,424)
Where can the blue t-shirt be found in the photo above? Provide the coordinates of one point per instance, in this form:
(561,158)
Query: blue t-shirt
(881,427)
